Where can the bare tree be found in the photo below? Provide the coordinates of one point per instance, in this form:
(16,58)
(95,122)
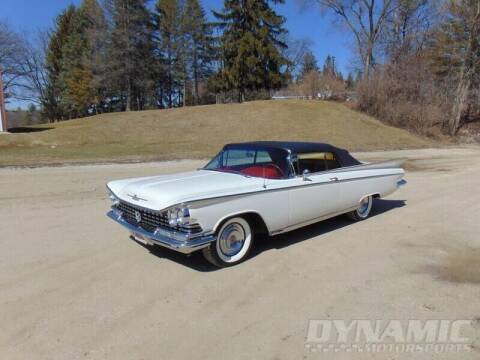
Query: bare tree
(365,19)
(23,64)
(12,52)
(295,52)
(469,12)
(407,29)
(33,85)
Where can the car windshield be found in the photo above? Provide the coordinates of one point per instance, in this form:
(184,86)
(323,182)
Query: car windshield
(250,161)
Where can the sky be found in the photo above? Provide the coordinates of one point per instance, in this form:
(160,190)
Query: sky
(30,15)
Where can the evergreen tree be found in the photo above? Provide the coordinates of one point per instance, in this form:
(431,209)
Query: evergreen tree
(350,82)
(70,60)
(250,47)
(130,52)
(170,46)
(309,64)
(76,74)
(329,67)
(96,57)
(58,40)
(198,39)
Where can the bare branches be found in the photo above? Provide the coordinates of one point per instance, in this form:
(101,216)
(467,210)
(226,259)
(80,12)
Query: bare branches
(12,52)
(366,21)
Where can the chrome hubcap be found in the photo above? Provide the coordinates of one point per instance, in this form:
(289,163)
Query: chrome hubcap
(364,205)
(231,239)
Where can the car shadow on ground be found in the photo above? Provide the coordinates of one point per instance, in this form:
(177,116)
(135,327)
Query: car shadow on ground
(320,228)
(264,243)
(27,129)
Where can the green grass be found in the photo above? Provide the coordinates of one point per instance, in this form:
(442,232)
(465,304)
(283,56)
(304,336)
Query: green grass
(199,132)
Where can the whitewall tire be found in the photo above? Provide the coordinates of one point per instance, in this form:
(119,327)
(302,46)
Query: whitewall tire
(234,241)
(364,209)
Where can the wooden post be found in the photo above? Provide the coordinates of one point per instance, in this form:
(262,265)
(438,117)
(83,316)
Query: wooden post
(3,112)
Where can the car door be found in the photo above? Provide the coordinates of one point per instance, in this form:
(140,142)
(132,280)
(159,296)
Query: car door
(313,195)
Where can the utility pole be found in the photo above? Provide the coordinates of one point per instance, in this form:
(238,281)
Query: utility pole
(3,112)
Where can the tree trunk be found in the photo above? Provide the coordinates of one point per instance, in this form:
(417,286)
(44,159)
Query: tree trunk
(129,96)
(368,61)
(184,95)
(461,103)
(195,77)
(170,98)
(170,80)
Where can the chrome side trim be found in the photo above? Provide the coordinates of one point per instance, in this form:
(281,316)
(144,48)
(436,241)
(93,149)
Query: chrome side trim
(306,184)
(250,193)
(181,242)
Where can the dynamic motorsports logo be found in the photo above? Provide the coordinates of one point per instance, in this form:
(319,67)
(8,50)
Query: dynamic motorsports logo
(397,336)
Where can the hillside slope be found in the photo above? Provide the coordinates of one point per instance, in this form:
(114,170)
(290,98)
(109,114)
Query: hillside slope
(199,132)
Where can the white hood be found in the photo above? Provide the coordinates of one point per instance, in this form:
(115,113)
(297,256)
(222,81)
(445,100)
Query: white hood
(161,192)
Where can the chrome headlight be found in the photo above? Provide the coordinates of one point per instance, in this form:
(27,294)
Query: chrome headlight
(115,200)
(178,216)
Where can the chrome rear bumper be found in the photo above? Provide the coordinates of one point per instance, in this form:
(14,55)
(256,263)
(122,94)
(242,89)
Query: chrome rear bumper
(177,241)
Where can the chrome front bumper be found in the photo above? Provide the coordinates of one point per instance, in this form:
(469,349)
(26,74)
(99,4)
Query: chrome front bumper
(177,241)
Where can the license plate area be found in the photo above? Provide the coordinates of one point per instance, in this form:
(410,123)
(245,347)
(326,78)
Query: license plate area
(141,239)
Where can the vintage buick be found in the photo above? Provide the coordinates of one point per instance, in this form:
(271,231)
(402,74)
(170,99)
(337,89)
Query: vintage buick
(246,190)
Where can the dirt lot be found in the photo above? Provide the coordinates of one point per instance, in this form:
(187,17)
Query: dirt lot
(73,286)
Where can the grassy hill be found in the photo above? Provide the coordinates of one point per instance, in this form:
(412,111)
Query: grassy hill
(199,132)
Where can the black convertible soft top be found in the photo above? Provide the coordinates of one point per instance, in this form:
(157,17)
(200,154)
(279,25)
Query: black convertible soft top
(298,147)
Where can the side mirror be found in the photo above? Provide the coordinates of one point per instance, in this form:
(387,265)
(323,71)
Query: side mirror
(305,175)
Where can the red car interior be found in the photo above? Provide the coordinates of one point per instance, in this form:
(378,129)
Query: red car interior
(269,171)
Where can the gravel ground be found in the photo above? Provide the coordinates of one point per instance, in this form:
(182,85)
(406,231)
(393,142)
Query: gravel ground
(73,286)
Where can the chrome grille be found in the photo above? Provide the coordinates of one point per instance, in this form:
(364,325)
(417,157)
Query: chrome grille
(151,220)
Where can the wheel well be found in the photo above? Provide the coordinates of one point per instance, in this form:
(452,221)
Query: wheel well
(376,196)
(254,219)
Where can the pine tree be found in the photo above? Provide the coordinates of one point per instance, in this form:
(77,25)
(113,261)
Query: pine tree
(170,46)
(250,47)
(309,64)
(198,39)
(329,67)
(130,52)
(76,74)
(96,57)
(58,40)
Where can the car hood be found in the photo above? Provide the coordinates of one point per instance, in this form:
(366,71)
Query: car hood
(161,192)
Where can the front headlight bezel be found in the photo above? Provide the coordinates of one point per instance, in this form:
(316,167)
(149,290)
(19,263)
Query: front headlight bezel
(179,215)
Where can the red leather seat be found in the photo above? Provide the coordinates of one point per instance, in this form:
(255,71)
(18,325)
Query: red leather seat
(269,171)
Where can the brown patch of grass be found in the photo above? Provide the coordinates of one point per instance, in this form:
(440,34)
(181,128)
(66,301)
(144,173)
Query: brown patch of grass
(199,132)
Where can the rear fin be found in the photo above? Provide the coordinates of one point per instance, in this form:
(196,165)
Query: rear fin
(389,164)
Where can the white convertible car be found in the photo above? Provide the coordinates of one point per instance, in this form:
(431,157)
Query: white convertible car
(247,189)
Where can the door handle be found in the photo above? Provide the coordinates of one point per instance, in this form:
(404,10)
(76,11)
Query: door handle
(333,179)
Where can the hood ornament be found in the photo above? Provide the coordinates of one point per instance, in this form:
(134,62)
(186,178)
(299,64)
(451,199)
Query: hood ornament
(136,198)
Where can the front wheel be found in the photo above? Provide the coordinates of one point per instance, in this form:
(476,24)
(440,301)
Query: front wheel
(233,243)
(363,210)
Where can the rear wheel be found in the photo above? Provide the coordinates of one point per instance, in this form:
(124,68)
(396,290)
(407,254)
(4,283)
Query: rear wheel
(363,210)
(234,241)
